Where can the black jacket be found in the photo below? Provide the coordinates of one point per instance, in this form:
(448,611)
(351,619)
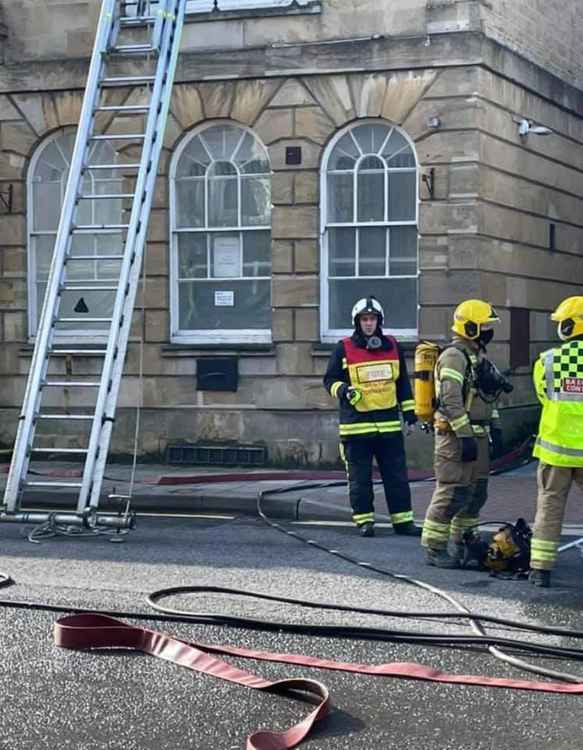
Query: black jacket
(355,423)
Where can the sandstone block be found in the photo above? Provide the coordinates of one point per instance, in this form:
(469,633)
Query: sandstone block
(294,291)
(282,256)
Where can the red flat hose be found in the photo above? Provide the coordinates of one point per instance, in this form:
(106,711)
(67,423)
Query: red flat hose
(93,631)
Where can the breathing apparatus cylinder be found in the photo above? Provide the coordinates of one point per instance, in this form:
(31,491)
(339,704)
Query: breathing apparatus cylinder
(426,355)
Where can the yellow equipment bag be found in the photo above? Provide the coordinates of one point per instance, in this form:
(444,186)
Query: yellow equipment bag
(426,355)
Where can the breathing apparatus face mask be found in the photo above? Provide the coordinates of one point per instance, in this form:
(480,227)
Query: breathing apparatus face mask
(565,329)
(373,343)
(491,382)
(486,335)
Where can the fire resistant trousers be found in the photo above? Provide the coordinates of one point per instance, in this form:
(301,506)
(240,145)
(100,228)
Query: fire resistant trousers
(554,483)
(389,451)
(460,492)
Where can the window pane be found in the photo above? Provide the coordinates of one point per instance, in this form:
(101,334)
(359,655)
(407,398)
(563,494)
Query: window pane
(51,164)
(372,251)
(94,304)
(202,309)
(223,208)
(344,155)
(371,196)
(340,198)
(251,157)
(398,152)
(190,203)
(192,256)
(402,196)
(47,205)
(403,251)
(397,296)
(255,201)
(226,257)
(43,252)
(108,211)
(341,251)
(221,140)
(194,160)
(256,254)
(370,138)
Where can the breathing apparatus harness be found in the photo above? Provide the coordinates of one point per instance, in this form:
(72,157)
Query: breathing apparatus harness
(484,378)
(507,555)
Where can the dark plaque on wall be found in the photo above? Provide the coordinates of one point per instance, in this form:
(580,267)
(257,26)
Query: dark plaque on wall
(293,155)
(217,374)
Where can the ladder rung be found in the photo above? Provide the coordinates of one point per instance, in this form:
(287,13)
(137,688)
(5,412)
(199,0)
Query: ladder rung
(118,137)
(135,21)
(88,288)
(105,196)
(131,49)
(97,228)
(47,451)
(110,166)
(77,485)
(124,108)
(125,80)
(80,352)
(83,320)
(93,258)
(70,384)
(76,417)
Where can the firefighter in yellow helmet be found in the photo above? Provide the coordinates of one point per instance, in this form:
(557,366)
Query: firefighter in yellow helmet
(558,381)
(467,386)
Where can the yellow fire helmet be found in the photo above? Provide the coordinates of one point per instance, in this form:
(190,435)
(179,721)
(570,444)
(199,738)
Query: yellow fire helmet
(472,316)
(569,316)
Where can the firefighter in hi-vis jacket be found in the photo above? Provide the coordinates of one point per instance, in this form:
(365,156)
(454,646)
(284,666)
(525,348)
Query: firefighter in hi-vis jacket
(558,380)
(467,384)
(367,374)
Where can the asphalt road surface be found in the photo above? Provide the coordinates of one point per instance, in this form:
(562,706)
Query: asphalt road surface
(52,698)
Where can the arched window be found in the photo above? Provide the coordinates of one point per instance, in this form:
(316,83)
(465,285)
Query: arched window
(220,199)
(369,227)
(47,180)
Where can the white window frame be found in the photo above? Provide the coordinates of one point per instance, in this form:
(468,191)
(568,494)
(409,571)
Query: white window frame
(331,335)
(61,336)
(238,336)
(246,5)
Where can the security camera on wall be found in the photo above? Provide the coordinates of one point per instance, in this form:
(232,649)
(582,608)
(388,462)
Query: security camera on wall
(525,127)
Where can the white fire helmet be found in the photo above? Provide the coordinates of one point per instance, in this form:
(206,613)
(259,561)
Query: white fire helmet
(367,305)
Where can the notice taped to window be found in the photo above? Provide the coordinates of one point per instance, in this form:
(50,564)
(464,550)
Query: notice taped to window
(226,258)
(224,299)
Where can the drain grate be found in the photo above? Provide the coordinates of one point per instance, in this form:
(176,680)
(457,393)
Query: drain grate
(216,455)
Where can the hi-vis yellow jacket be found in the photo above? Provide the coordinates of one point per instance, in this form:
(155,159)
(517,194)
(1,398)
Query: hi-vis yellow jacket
(381,376)
(558,380)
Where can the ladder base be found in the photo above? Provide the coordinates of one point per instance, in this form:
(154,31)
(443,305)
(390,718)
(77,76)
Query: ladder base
(97,520)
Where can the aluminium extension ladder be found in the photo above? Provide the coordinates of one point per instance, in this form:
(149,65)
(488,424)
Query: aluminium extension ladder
(160,23)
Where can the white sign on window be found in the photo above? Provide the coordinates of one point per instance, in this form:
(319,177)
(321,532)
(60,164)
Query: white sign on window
(226,258)
(224,299)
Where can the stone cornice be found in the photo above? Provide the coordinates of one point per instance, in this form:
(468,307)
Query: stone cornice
(342,56)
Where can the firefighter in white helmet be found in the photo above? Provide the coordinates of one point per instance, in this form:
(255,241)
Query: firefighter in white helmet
(368,375)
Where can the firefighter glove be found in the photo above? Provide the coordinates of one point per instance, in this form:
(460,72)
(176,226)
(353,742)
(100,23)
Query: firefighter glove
(350,394)
(469,449)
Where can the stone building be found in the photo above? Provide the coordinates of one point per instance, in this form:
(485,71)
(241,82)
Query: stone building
(316,150)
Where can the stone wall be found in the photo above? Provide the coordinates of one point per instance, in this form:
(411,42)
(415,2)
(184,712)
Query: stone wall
(547,32)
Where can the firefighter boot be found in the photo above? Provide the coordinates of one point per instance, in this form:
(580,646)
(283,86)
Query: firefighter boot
(540,578)
(407,529)
(440,558)
(367,529)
